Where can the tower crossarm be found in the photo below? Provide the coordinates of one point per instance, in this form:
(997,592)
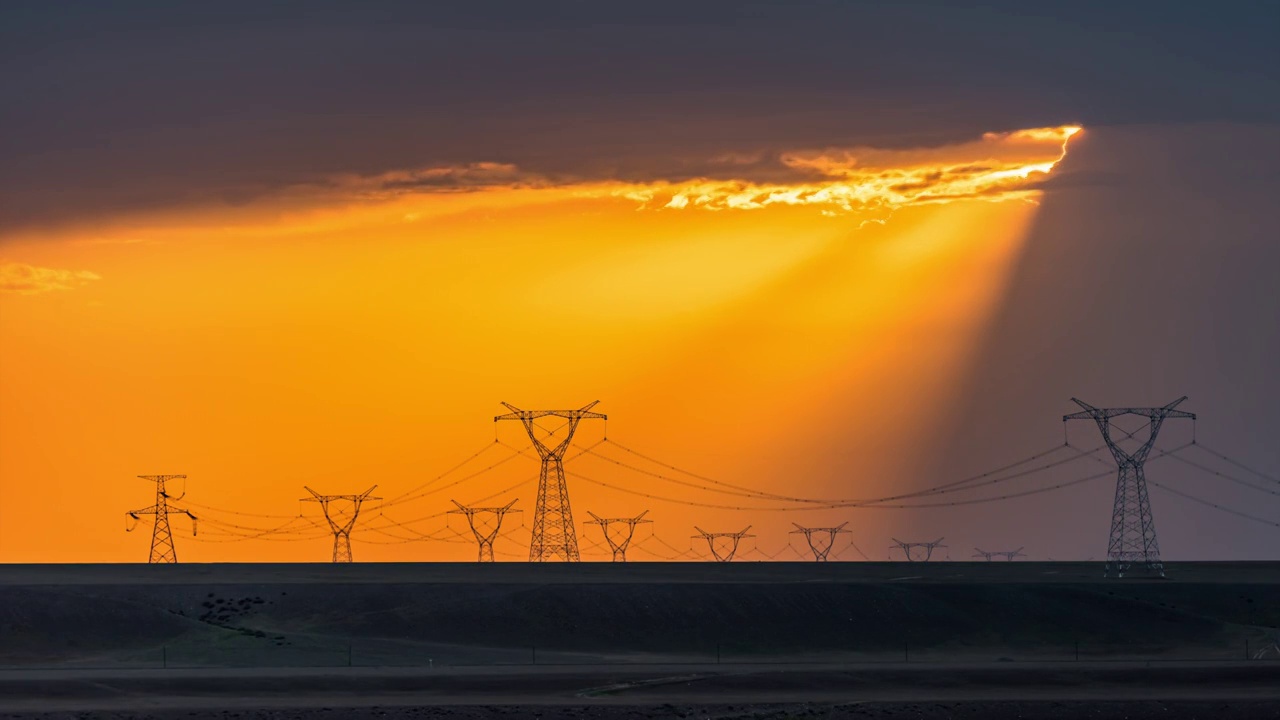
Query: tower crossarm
(1103,416)
(573,416)
(582,412)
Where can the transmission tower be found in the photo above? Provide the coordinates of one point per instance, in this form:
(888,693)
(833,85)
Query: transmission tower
(826,539)
(730,549)
(917,551)
(553,533)
(1006,554)
(162,549)
(484,537)
(341,523)
(1133,530)
(619,541)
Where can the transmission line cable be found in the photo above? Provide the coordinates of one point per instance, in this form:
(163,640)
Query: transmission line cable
(1236,463)
(1214,505)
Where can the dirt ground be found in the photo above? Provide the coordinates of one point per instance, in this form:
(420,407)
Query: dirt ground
(973,710)
(1171,690)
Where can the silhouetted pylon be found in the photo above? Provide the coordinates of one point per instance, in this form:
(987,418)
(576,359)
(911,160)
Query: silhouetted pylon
(917,551)
(1133,529)
(826,539)
(1006,554)
(730,549)
(618,541)
(553,532)
(484,536)
(341,523)
(162,548)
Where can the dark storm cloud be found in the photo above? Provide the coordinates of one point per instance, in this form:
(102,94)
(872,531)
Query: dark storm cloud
(114,107)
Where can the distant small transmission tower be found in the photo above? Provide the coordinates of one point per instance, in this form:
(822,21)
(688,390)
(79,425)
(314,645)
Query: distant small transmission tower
(1133,530)
(917,551)
(341,523)
(618,541)
(162,549)
(1006,554)
(553,533)
(826,539)
(729,549)
(484,536)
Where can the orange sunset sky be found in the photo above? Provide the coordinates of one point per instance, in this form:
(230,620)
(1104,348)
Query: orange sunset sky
(363,331)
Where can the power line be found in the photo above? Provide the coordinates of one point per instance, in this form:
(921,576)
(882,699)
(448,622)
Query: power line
(875,505)
(1214,505)
(404,499)
(238,512)
(446,473)
(1225,476)
(954,486)
(1238,464)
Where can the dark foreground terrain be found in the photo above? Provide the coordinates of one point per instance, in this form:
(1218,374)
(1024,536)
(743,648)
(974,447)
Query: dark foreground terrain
(767,640)
(1014,710)
(1172,690)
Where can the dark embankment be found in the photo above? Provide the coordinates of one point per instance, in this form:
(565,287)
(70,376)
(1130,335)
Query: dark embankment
(396,614)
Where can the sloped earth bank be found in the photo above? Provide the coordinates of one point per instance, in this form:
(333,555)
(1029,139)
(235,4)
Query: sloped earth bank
(469,614)
(986,710)
(1129,690)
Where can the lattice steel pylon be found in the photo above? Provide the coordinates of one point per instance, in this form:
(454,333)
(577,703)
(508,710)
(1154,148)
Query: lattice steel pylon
(1133,530)
(820,548)
(484,537)
(553,532)
(923,550)
(341,525)
(619,541)
(730,550)
(992,555)
(162,548)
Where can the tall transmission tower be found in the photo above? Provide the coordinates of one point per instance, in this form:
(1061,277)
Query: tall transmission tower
(341,523)
(826,539)
(618,541)
(1133,530)
(553,532)
(1006,554)
(726,552)
(917,551)
(484,536)
(162,549)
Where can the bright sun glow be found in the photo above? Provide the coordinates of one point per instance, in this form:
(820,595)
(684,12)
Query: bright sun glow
(364,332)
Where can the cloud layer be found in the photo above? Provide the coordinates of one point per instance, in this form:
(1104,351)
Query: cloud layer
(24,279)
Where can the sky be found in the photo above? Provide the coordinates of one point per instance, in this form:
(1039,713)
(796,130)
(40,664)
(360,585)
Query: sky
(816,250)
